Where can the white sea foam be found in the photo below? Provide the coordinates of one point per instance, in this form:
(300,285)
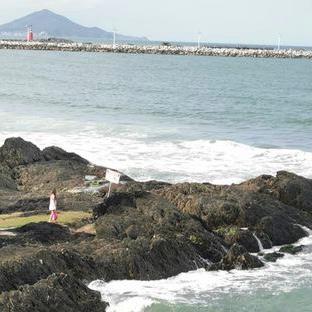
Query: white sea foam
(200,287)
(220,162)
(258,241)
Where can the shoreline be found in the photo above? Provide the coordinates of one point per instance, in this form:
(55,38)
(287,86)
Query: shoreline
(157,50)
(144,231)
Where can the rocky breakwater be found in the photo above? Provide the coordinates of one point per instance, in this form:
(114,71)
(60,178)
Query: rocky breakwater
(145,231)
(152,49)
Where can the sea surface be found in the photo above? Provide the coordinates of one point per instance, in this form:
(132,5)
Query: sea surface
(174,118)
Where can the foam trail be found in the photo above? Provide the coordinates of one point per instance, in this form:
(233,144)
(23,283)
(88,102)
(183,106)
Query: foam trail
(201,288)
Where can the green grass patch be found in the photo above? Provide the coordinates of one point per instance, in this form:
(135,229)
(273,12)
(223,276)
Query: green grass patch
(196,240)
(227,231)
(16,220)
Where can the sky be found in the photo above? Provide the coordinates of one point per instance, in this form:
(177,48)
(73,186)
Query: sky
(219,21)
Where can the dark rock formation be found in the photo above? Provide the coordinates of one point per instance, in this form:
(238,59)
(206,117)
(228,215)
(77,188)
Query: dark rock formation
(115,203)
(58,292)
(289,188)
(157,239)
(44,232)
(27,176)
(233,234)
(290,249)
(6,179)
(28,268)
(27,204)
(294,190)
(280,231)
(237,258)
(273,257)
(149,230)
(56,153)
(16,152)
(264,239)
(245,205)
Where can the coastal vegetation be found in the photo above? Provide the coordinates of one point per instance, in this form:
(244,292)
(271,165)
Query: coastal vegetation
(15,220)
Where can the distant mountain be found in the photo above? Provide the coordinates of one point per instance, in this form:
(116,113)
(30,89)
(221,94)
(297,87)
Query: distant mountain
(48,24)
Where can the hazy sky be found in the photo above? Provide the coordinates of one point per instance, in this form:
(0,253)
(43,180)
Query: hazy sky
(233,21)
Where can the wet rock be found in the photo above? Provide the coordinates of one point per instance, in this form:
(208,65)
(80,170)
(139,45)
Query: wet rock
(16,152)
(58,292)
(280,231)
(20,270)
(233,234)
(290,249)
(156,258)
(294,190)
(289,188)
(237,258)
(264,239)
(56,153)
(242,206)
(155,239)
(273,257)
(149,230)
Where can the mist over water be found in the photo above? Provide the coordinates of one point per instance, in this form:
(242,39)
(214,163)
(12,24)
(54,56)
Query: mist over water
(171,118)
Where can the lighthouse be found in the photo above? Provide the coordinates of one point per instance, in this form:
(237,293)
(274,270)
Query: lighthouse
(30,35)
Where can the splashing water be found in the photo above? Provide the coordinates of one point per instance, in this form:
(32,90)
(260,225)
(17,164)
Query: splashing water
(288,281)
(259,242)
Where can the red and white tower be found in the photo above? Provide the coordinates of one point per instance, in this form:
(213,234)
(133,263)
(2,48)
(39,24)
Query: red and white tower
(30,34)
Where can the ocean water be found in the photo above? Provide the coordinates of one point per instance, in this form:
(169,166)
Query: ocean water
(284,286)
(172,118)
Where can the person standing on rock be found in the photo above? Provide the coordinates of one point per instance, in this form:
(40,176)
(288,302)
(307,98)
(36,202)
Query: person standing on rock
(52,206)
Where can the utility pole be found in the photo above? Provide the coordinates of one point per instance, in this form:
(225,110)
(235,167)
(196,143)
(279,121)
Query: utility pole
(279,42)
(114,37)
(199,34)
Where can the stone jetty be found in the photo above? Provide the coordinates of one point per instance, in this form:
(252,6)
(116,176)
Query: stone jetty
(153,49)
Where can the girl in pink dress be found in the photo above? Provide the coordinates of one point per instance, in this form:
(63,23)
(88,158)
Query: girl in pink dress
(52,206)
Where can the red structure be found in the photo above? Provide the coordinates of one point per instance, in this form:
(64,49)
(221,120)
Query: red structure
(30,35)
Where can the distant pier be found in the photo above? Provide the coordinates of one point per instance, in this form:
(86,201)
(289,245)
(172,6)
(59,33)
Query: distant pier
(150,49)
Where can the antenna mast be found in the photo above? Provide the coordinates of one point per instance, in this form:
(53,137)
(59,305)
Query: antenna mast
(279,42)
(199,34)
(114,37)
